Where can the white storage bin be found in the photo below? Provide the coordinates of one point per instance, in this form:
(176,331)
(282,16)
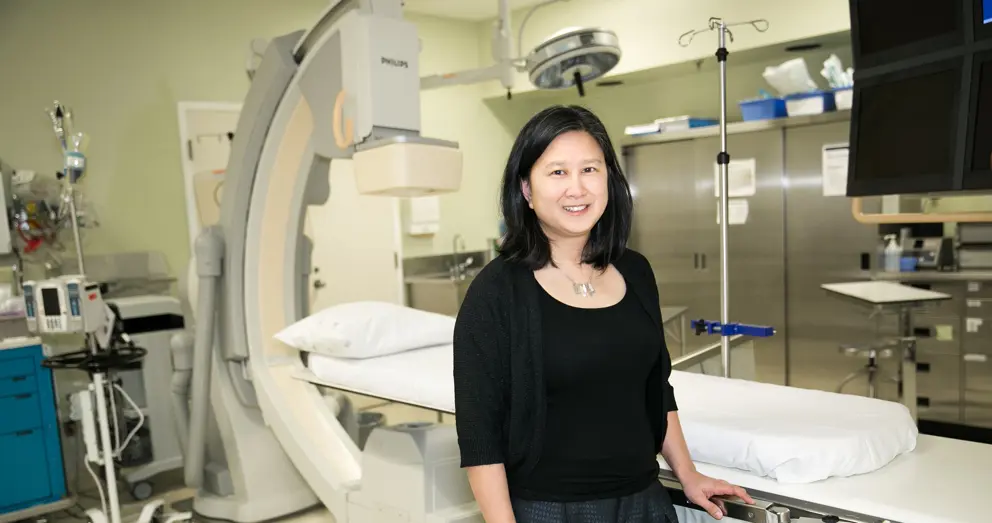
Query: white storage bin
(809,103)
(844,98)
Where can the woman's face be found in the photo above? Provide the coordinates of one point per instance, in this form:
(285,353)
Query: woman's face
(568,186)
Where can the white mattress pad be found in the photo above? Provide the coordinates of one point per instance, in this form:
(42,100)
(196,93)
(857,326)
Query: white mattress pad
(789,434)
(421,377)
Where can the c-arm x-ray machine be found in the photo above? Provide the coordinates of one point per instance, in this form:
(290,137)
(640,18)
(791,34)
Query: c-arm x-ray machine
(262,444)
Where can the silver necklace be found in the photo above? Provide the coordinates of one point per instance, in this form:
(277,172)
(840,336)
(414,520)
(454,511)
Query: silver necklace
(582,289)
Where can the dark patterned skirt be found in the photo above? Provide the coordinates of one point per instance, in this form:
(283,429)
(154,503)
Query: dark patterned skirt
(651,505)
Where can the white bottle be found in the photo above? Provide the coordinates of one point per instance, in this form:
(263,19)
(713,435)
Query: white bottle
(893,253)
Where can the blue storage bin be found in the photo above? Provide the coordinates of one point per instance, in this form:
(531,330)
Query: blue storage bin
(763,109)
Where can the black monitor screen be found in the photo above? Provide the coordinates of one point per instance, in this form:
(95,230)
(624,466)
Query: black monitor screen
(50,302)
(906,126)
(981,159)
(886,25)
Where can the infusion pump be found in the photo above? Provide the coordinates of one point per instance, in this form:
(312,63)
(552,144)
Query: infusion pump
(66,304)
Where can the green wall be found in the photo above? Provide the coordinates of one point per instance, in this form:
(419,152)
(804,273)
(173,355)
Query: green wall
(123,66)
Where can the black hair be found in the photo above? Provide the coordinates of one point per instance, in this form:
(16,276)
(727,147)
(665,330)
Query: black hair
(525,241)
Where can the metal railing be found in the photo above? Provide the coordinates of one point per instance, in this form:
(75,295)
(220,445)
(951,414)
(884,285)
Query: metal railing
(699,356)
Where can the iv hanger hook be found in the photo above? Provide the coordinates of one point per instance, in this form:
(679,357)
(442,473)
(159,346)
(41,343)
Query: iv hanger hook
(760,24)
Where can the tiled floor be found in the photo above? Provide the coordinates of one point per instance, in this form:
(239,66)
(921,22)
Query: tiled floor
(168,487)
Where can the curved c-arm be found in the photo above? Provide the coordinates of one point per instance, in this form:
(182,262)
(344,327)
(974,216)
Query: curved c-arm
(346,89)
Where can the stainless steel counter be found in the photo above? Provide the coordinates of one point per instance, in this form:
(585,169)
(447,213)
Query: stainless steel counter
(934,276)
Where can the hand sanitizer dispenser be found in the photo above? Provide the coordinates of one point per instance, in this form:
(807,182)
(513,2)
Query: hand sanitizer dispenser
(892,254)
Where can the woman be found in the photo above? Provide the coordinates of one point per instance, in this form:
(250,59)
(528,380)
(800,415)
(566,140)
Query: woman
(560,363)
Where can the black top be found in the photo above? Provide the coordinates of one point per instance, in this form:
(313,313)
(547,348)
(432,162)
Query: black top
(598,441)
(500,399)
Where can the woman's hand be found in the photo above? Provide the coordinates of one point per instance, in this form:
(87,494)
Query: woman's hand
(699,489)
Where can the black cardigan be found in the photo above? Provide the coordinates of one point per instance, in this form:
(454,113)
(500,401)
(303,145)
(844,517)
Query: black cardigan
(499,387)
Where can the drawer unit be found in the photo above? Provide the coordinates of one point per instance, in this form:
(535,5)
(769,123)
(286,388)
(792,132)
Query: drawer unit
(938,386)
(977,345)
(978,325)
(978,373)
(19,453)
(30,442)
(20,412)
(977,415)
(978,390)
(18,384)
(950,307)
(978,308)
(927,409)
(978,289)
(977,336)
(938,334)
(17,366)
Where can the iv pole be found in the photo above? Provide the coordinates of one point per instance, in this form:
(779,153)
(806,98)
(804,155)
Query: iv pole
(724,327)
(75,166)
(102,353)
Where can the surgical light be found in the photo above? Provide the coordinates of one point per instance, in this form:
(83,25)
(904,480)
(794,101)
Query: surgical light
(572,57)
(569,58)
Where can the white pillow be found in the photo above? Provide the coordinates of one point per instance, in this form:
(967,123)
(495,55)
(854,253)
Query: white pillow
(366,329)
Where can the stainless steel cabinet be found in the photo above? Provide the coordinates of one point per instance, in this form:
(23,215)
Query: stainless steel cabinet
(675,226)
(823,244)
(669,230)
(756,243)
(793,240)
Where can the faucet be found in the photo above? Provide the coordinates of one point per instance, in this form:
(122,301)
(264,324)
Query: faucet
(457,269)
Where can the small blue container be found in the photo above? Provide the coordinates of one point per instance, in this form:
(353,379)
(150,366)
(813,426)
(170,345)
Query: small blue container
(907,264)
(763,109)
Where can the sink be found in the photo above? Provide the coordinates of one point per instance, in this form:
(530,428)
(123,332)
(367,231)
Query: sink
(438,292)
(442,277)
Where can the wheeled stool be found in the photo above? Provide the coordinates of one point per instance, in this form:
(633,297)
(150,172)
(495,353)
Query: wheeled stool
(873,354)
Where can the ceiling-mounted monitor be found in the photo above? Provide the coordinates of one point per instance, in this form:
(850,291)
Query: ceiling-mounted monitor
(978,150)
(904,131)
(887,31)
(922,115)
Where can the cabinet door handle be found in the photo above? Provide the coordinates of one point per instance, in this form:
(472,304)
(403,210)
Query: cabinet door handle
(24,432)
(703,257)
(695,260)
(21,396)
(15,379)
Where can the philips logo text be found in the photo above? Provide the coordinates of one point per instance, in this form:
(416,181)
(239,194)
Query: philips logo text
(395,63)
